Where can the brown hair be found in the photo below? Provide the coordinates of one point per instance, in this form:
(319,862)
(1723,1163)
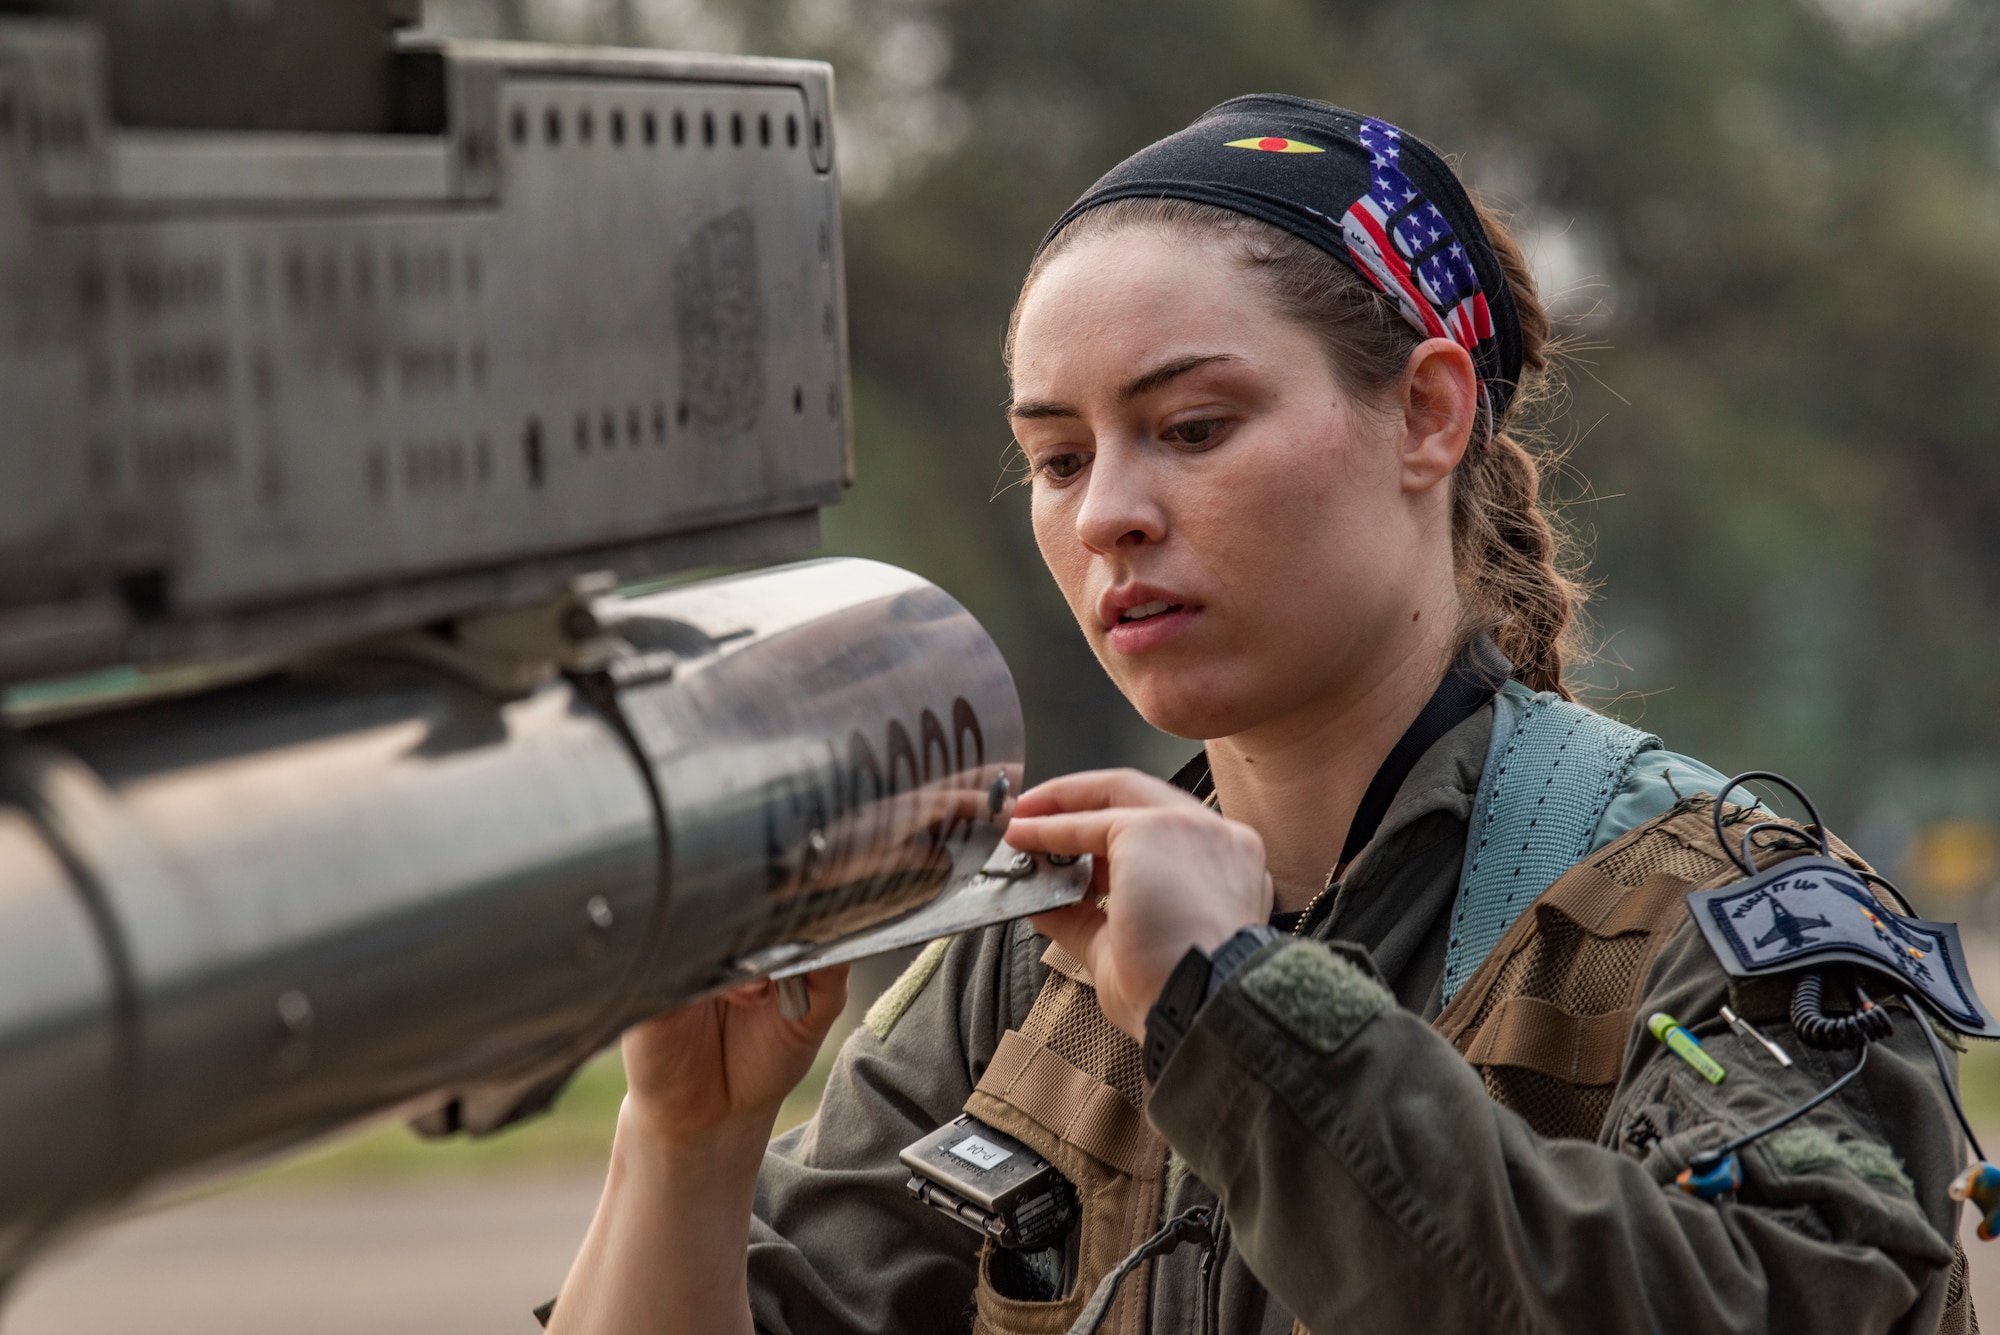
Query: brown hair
(1513,562)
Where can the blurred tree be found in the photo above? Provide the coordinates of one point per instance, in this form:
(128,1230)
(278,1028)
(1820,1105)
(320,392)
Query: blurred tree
(1776,229)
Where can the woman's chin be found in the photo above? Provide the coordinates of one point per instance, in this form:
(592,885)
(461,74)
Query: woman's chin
(1182,708)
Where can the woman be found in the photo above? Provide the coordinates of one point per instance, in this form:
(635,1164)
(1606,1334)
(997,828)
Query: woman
(1263,375)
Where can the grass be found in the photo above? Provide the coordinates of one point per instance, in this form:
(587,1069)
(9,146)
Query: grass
(574,1135)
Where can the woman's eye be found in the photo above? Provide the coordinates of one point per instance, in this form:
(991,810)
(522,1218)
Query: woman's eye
(1061,467)
(1200,432)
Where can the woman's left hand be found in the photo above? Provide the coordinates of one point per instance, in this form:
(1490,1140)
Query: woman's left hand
(1170,872)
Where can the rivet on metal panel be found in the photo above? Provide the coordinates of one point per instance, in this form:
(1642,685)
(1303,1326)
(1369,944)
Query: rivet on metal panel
(814,860)
(597,920)
(295,1021)
(295,1012)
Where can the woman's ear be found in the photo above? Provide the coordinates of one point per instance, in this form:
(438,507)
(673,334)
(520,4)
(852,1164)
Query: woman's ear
(1440,400)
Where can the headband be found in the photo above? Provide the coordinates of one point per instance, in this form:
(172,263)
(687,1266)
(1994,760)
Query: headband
(1381,202)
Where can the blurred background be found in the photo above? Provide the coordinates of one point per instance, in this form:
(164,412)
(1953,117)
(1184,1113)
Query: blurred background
(1773,232)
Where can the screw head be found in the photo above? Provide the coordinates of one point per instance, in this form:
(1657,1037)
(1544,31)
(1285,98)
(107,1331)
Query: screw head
(295,1012)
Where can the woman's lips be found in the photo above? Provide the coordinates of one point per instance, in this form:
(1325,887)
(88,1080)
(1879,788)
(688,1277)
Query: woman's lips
(1147,627)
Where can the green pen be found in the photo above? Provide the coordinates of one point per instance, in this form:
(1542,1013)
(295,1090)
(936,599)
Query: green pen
(1685,1046)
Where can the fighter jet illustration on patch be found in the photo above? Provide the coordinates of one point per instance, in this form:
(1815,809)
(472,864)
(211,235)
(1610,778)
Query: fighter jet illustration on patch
(1788,927)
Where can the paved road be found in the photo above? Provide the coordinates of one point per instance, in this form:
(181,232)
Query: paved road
(444,1258)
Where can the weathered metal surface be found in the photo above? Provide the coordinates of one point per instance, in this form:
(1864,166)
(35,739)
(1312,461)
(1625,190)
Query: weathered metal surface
(263,389)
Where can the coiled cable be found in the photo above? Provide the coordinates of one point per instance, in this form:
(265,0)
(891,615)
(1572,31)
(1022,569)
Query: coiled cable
(1867,1023)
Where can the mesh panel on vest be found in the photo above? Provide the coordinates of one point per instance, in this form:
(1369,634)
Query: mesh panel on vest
(1959,1317)
(1584,975)
(1553,1107)
(1564,965)
(1066,1020)
(1657,850)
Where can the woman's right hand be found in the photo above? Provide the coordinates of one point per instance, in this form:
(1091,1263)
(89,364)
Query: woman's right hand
(672,1233)
(726,1063)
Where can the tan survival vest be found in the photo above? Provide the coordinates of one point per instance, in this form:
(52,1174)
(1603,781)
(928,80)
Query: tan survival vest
(1543,1018)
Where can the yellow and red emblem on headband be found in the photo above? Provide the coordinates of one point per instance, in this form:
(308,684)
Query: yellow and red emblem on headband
(1273,144)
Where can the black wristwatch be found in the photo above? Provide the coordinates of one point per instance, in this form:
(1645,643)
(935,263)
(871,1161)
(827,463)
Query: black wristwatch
(1193,981)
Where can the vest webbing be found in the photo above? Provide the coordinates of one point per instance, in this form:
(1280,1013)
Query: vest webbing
(1551,770)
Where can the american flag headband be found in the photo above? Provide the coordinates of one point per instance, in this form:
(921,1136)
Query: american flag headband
(1407,248)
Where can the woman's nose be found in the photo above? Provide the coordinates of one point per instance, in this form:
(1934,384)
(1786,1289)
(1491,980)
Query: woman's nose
(1120,506)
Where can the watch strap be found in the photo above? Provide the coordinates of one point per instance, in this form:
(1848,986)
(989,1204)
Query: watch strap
(1230,955)
(1193,981)
(1172,1015)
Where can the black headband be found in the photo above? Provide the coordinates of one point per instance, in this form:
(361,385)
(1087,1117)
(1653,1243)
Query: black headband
(1361,190)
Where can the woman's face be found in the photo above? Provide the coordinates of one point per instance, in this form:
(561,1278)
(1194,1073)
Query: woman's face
(1240,538)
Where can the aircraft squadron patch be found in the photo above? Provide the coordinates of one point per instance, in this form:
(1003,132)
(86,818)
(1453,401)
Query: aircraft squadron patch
(1814,911)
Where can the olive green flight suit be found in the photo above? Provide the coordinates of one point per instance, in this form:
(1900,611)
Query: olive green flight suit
(1369,1182)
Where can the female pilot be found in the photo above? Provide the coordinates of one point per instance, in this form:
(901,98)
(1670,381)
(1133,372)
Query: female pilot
(1359,1008)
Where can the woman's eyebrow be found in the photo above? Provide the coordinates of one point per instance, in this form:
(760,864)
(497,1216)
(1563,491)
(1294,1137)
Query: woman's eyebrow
(1170,371)
(1042,408)
(1160,375)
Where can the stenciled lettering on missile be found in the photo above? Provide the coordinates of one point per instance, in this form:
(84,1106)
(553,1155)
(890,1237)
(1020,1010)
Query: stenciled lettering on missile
(867,820)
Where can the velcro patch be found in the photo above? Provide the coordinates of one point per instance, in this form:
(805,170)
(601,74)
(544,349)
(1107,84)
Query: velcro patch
(1315,994)
(1812,911)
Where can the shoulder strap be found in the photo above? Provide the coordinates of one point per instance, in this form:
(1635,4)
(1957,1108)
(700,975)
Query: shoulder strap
(1551,771)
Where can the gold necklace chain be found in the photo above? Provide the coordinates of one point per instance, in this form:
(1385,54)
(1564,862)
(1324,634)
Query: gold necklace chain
(1299,927)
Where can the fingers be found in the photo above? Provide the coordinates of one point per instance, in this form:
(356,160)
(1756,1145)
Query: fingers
(757,992)
(825,995)
(1070,832)
(1096,789)
(828,990)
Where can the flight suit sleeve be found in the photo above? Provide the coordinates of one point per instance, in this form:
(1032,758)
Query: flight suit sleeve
(1372,1185)
(836,1242)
